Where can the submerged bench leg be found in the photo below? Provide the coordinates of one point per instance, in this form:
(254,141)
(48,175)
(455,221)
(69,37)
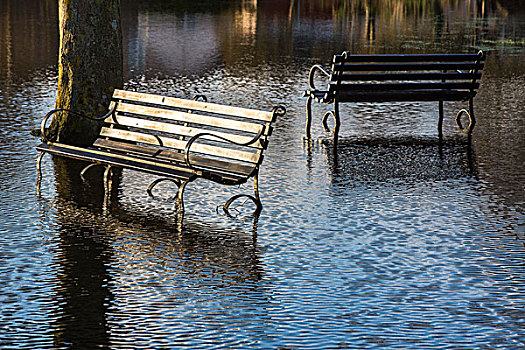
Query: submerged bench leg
(108,179)
(440,120)
(83,172)
(337,122)
(308,116)
(470,115)
(255,199)
(149,190)
(39,171)
(179,203)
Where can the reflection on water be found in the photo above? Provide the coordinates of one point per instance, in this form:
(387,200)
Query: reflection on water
(400,160)
(396,241)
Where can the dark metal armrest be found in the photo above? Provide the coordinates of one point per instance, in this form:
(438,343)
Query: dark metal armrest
(311,75)
(209,134)
(111,112)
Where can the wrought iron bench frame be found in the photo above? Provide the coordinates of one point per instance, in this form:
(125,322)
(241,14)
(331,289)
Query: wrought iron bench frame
(391,78)
(179,139)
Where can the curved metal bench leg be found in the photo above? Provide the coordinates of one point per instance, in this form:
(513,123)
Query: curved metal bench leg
(179,203)
(470,115)
(83,172)
(156,182)
(226,206)
(255,198)
(39,171)
(108,179)
(337,122)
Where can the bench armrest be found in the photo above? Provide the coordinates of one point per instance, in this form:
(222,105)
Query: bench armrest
(194,138)
(43,129)
(311,75)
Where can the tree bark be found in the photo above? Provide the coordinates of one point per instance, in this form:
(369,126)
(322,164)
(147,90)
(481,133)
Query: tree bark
(90,65)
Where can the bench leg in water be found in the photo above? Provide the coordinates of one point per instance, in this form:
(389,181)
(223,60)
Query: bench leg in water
(255,199)
(179,197)
(308,116)
(440,121)
(39,171)
(470,115)
(337,122)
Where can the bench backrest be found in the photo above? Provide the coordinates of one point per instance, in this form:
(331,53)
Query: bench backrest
(157,126)
(405,77)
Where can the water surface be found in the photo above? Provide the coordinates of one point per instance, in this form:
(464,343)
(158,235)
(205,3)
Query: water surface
(395,241)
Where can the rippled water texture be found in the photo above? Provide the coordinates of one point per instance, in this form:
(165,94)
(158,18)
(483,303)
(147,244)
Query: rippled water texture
(394,241)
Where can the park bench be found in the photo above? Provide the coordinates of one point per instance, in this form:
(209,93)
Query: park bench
(391,78)
(178,139)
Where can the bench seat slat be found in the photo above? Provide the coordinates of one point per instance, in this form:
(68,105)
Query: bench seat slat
(194,105)
(178,130)
(97,156)
(408,58)
(192,118)
(415,76)
(249,157)
(364,67)
(233,170)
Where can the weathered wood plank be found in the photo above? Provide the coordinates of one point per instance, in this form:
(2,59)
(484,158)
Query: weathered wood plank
(194,105)
(226,168)
(192,118)
(250,157)
(181,130)
(98,156)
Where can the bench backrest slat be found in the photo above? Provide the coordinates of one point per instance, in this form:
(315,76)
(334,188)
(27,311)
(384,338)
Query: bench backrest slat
(226,168)
(167,142)
(407,86)
(347,57)
(194,105)
(414,66)
(187,117)
(179,130)
(415,76)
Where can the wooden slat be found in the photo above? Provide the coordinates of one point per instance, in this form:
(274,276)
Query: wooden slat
(408,58)
(189,117)
(391,96)
(222,167)
(416,76)
(251,157)
(194,105)
(180,130)
(99,156)
(403,86)
(360,67)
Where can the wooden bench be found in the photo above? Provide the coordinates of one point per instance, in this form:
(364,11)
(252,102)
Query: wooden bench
(389,78)
(179,139)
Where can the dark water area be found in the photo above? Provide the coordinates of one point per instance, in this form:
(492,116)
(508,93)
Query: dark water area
(395,241)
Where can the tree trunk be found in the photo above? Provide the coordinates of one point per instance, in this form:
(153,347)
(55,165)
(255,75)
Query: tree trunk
(90,65)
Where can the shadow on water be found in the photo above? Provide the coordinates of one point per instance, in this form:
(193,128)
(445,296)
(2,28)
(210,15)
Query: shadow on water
(111,257)
(399,159)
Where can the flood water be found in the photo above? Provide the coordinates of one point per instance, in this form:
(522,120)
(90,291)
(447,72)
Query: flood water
(395,241)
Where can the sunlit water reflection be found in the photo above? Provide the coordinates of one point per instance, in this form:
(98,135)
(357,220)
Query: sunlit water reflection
(395,241)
